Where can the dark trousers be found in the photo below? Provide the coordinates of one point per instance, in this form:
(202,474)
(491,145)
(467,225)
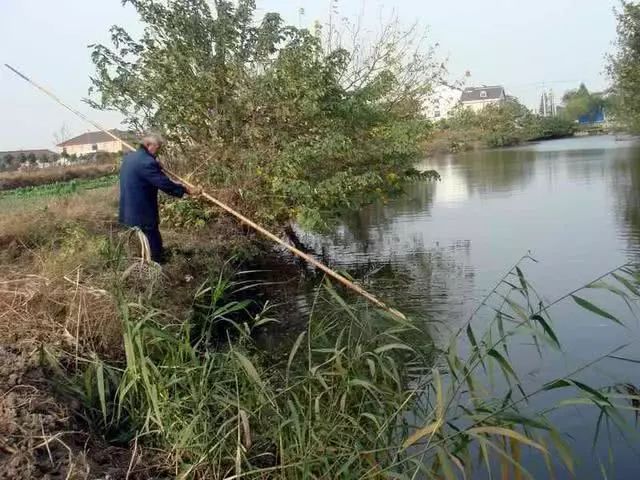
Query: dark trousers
(155,243)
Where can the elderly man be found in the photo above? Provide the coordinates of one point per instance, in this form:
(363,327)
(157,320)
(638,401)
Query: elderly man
(141,177)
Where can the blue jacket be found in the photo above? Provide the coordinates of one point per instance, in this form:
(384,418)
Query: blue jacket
(140,179)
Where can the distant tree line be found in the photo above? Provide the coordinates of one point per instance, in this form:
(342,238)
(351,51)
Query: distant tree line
(499,125)
(15,161)
(581,104)
(11,161)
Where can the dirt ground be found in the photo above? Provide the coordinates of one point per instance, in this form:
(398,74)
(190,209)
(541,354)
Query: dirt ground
(39,439)
(53,295)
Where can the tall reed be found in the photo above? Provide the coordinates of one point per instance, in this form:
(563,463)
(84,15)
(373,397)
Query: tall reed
(360,393)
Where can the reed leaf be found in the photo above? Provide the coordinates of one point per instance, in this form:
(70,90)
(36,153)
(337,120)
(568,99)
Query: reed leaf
(595,309)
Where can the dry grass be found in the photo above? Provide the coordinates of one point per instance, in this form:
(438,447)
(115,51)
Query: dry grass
(51,273)
(59,312)
(32,222)
(44,176)
(57,265)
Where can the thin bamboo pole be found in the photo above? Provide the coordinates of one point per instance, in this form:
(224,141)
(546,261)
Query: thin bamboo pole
(309,259)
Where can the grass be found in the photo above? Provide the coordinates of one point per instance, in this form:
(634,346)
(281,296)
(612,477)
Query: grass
(172,368)
(360,394)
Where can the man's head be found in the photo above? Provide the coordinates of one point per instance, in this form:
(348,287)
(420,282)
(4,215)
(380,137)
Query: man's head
(152,142)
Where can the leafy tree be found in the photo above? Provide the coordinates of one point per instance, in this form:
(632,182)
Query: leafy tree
(546,128)
(22,159)
(45,158)
(501,125)
(580,102)
(9,161)
(31,159)
(294,128)
(624,67)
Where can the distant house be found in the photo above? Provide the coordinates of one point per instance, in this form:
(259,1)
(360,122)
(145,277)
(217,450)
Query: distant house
(596,116)
(476,98)
(443,99)
(92,142)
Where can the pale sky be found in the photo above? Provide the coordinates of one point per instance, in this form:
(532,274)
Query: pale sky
(521,44)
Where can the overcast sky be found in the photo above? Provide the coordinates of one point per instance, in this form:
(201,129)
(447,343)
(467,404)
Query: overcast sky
(521,44)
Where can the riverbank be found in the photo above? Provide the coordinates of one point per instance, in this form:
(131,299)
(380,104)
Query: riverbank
(209,348)
(502,125)
(66,267)
(231,363)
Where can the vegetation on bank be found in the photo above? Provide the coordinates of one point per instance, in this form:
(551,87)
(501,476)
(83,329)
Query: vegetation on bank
(172,366)
(624,68)
(58,188)
(582,105)
(499,125)
(293,123)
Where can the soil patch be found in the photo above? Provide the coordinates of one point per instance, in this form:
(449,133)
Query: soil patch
(39,438)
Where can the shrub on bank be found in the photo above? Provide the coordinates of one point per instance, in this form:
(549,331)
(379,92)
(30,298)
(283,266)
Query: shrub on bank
(495,126)
(294,127)
(169,365)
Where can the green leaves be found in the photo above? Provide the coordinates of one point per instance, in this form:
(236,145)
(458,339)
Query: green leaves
(624,68)
(595,309)
(248,367)
(547,328)
(268,110)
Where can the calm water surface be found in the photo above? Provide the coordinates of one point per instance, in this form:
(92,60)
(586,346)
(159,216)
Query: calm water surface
(437,251)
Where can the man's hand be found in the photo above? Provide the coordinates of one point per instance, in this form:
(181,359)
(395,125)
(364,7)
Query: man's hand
(193,191)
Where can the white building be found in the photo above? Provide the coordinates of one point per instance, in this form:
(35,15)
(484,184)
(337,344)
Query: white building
(444,99)
(476,98)
(92,142)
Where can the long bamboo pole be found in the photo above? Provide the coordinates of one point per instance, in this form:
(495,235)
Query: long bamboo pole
(309,259)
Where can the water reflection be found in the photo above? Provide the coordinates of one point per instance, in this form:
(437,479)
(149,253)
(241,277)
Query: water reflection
(625,187)
(572,203)
(487,172)
(368,230)
(436,251)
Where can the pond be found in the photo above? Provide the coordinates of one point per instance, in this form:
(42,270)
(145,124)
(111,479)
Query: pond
(438,250)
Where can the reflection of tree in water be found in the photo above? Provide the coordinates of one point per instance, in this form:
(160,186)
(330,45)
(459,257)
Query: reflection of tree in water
(492,171)
(373,223)
(625,182)
(587,164)
(479,172)
(383,245)
(432,285)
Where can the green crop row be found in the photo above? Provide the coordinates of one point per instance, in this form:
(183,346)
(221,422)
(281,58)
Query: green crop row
(60,188)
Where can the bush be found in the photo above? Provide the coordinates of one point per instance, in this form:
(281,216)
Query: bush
(496,126)
(548,128)
(297,130)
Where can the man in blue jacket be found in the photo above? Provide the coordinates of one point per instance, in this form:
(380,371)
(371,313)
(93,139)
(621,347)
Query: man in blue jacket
(141,177)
